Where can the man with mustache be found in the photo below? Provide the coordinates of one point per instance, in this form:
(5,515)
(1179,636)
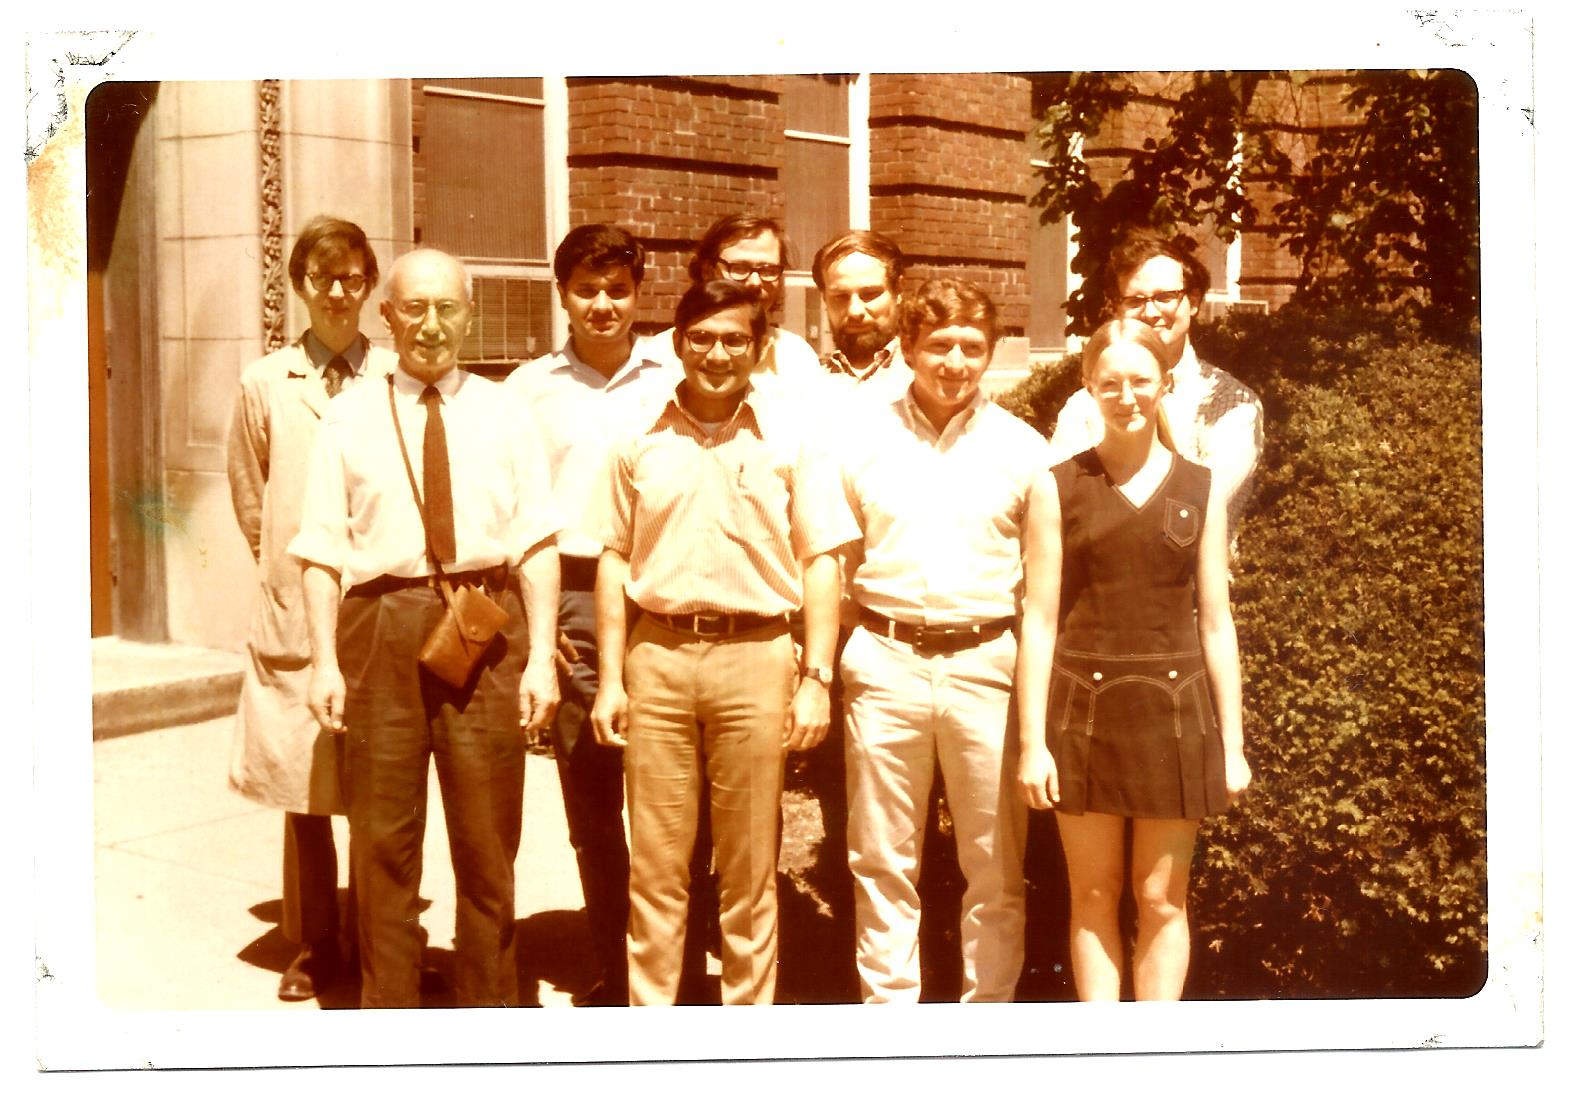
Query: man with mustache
(858,275)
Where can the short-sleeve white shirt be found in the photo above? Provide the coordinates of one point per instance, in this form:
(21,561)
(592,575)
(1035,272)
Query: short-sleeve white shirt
(359,517)
(942,513)
(581,415)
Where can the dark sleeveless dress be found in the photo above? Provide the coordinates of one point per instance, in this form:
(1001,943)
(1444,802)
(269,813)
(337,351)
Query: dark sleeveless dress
(1130,722)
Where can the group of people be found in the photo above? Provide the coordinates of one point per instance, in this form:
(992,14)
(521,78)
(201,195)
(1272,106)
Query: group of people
(712,546)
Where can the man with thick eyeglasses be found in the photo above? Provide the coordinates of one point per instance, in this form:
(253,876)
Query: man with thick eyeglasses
(584,397)
(752,251)
(434,473)
(280,757)
(1213,419)
(721,520)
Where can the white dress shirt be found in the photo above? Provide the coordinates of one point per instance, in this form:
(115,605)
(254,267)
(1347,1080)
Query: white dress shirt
(942,513)
(581,415)
(358,514)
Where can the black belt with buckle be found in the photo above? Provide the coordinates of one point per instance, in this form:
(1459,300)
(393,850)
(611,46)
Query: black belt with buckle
(491,579)
(935,638)
(716,625)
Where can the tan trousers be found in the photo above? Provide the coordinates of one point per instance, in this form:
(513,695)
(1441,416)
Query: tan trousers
(903,711)
(714,711)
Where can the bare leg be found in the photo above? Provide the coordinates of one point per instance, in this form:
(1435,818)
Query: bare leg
(1095,863)
(1160,876)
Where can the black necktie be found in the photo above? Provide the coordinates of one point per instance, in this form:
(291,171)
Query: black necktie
(336,371)
(436,480)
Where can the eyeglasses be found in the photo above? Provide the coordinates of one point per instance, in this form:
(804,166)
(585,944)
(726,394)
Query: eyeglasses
(1166,300)
(352,284)
(740,272)
(417,311)
(735,343)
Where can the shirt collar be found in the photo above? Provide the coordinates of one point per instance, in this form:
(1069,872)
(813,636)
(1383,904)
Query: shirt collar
(640,358)
(407,385)
(748,411)
(1189,365)
(320,355)
(836,361)
(957,425)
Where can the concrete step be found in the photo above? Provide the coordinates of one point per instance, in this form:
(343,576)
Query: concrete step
(138,687)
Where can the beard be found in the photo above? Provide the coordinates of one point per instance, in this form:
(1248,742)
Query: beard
(862,346)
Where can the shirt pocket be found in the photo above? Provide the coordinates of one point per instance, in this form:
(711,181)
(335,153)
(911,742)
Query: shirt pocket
(759,496)
(1182,522)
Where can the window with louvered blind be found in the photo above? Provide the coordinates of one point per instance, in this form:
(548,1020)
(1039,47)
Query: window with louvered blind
(817,162)
(479,166)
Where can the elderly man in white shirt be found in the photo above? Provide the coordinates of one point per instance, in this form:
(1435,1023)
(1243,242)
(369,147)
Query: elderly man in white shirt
(597,389)
(372,545)
(1213,419)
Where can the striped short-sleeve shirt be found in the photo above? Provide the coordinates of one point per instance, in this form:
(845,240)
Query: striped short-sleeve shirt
(720,521)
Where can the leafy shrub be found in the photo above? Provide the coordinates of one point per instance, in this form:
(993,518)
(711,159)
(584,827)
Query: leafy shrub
(1356,865)
(1042,393)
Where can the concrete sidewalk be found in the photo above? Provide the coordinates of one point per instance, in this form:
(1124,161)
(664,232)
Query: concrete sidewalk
(187,883)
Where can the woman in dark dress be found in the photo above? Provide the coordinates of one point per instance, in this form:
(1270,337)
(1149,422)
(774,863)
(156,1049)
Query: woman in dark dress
(1128,679)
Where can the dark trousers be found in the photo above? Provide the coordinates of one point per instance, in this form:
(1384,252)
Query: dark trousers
(592,785)
(397,718)
(310,913)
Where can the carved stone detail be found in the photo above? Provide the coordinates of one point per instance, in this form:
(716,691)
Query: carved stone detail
(271,194)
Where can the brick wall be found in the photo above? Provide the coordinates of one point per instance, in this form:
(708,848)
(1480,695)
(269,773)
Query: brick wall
(1292,114)
(667,157)
(949,179)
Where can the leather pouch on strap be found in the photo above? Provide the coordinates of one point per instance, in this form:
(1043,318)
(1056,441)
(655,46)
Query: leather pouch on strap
(455,646)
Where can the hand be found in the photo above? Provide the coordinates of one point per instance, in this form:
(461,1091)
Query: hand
(565,654)
(609,714)
(326,697)
(1038,778)
(807,723)
(1237,775)
(539,696)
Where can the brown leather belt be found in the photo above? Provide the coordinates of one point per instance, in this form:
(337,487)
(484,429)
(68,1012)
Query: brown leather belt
(717,625)
(935,638)
(491,579)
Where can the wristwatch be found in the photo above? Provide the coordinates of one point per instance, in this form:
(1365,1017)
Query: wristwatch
(824,676)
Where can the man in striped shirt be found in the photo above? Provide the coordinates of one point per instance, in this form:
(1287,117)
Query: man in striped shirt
(721,521)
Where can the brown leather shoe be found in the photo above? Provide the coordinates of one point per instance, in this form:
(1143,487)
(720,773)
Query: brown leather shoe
(309,973)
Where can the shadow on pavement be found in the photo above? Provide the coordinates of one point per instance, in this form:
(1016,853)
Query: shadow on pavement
(554,947)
